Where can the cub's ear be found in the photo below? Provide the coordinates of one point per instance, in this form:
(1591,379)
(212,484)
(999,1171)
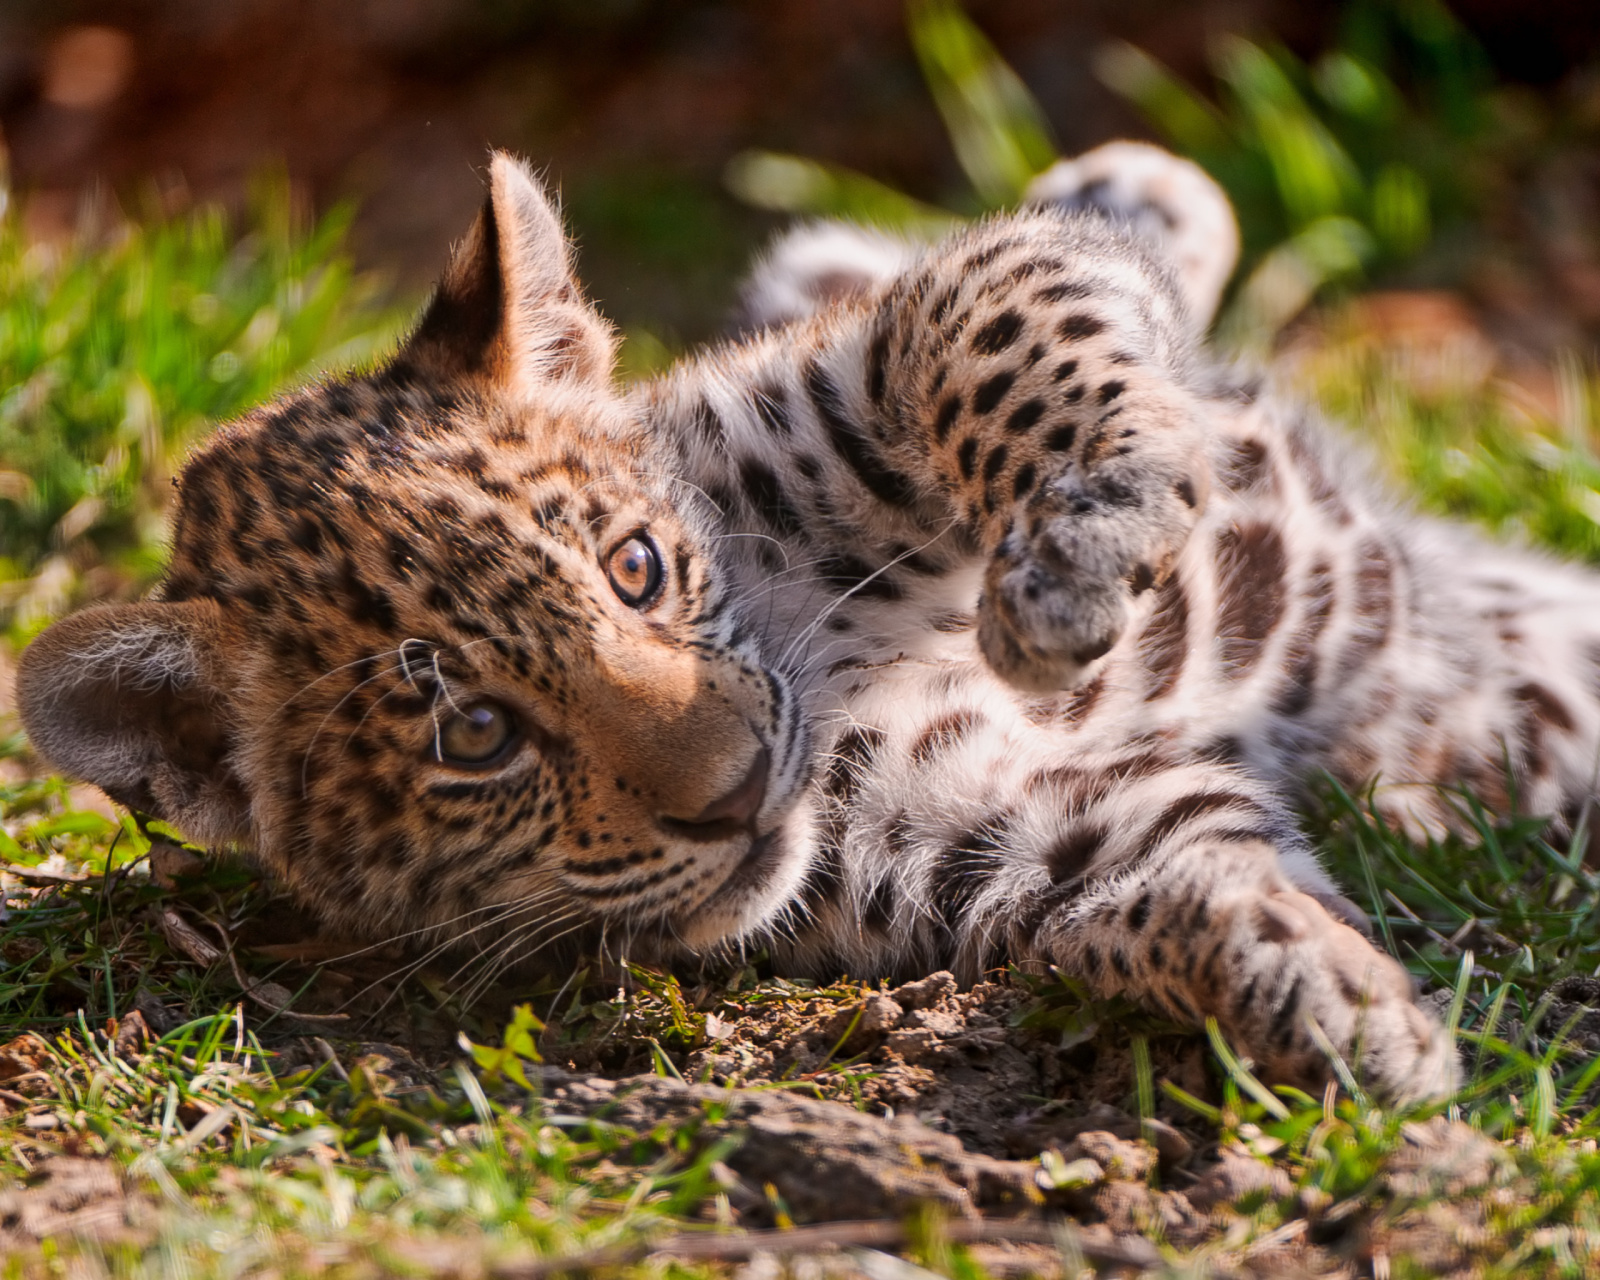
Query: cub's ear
(129,697)
(508,308)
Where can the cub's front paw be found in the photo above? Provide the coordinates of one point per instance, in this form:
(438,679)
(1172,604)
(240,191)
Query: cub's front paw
(1303,967)
(1042,626)
(1065,581)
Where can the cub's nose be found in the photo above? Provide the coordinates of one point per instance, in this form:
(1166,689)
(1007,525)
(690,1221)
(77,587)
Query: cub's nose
(730,813)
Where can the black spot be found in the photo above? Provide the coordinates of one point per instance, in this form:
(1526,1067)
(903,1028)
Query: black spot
(1246,997)
(1064,370)
(851,760)
(1025,416)
(824,882)
(878,910)
(962,870)
(877,357)
(307,535)
(983,257)
(992,392)
(1111,390)
(1165,641)
(881,480)
(766,495)
(773,409)
(1080,326)
(1301,661)
(1284,1019)
(1251,568)
(854,577)
(1544,706)
(1071,855)
(1065,290)
(996,460)
(942,734)
(1187,808)
(1248,467)
(1374,604)
(367,604)
(948,412)
(998,334)
(1093,651)
(1022,482)
(707,422)
(1060,440)
(967,457)
(1185,491)
(1139,913)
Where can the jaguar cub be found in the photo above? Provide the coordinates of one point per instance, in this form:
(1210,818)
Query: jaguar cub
(971,616)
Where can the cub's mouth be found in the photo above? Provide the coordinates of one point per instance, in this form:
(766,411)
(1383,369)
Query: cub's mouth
(758,863)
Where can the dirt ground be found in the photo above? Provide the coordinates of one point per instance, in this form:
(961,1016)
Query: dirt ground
(895,1100)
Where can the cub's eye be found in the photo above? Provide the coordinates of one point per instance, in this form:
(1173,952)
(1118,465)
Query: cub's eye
(477,734)
(634,567)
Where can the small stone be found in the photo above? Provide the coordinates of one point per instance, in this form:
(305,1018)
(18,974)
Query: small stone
(20,950)
(131,1035)
(23,1056)
(926,991)
(1236,1176)
(171,863)
(1058,1174)
(1123,1161)
(864,1024)
(1173,1149)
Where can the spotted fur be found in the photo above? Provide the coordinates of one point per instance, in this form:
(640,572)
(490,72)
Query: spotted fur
(996,624)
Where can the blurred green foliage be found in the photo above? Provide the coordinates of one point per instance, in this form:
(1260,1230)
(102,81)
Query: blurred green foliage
(1466,449)
(1348,163)
(117,353)
(999,132)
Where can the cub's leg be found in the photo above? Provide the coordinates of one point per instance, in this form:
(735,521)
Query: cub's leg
(956,835)
(1214,928)
(1028,394)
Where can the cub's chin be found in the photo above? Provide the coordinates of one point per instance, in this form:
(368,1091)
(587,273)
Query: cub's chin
(761,886)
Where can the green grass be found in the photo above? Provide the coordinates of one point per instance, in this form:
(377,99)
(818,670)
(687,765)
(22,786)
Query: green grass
(119,351)
(253,1154)
(1469,449)
(291,1171)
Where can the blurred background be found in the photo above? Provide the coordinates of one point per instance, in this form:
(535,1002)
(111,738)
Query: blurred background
(209,199)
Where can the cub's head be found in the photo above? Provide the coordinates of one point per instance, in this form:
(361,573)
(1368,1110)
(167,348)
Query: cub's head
(445,644)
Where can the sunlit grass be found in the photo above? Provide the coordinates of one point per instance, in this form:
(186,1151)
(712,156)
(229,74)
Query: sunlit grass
(119,351)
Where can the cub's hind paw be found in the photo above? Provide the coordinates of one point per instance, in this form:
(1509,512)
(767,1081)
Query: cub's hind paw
(1168,201)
